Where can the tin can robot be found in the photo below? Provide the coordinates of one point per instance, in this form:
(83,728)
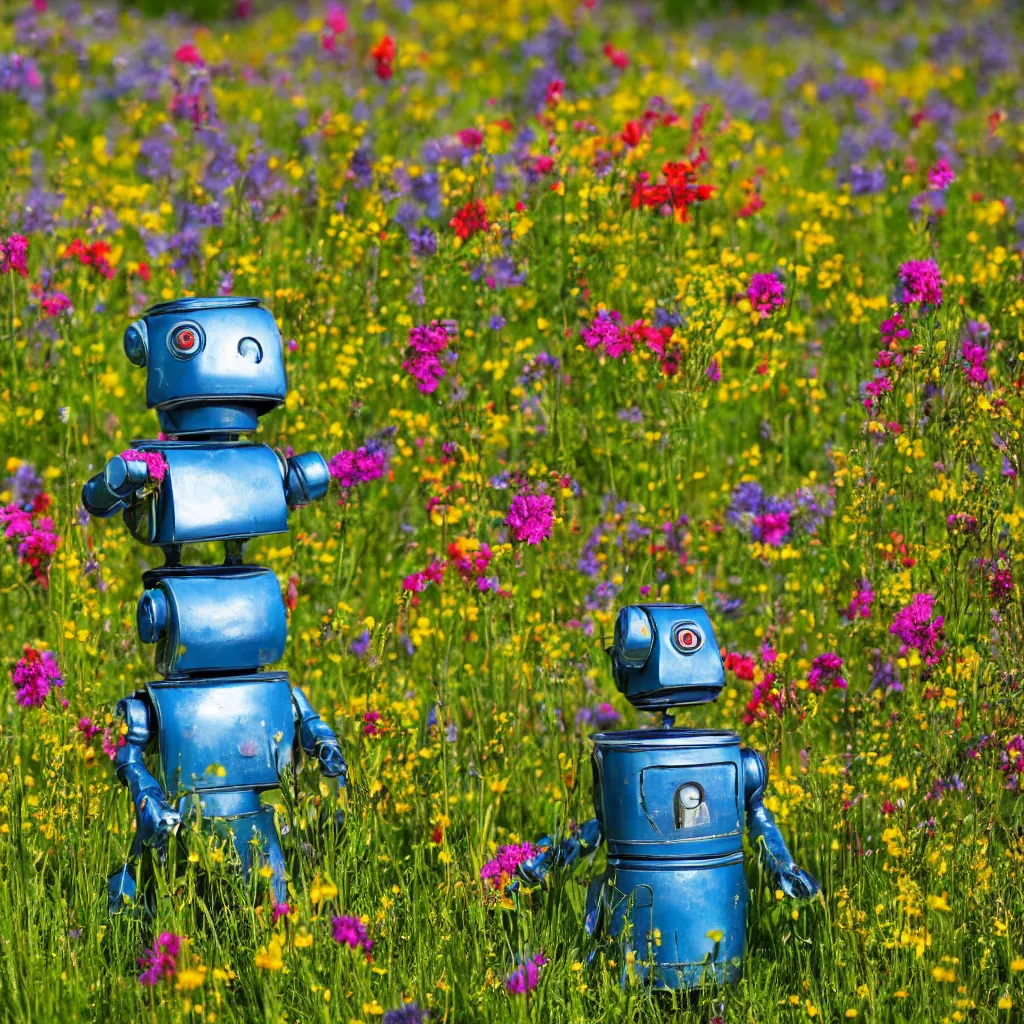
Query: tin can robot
(672,806)
(217,729)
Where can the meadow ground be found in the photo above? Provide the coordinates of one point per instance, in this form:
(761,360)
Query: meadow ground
(584,308)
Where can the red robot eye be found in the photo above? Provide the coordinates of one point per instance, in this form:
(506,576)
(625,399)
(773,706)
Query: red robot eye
(186,339)
(688,639)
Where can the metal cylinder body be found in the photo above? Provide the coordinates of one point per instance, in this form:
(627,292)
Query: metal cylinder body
(671,807)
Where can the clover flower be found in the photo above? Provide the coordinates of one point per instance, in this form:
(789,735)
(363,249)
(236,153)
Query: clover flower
(919,283)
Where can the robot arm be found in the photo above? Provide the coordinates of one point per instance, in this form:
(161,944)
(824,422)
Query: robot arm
(306,480)
(318,739)
(111,491)
(765,834)
(155,819)
(581,842)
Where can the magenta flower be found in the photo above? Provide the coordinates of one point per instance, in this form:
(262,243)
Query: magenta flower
(941,176)
(417,582)
(772,528)
(54,304)
(604,331)
(860,606)
(35,674)
(350,931)
(499,872)
(825,673)
(351,468)
(156,464)
(13,255)
(918,631)
(919,282)
(766,293)
(160,961)
(531,517)
(87,728)
(426,343)
(279,910)
(714,371)
(525,977)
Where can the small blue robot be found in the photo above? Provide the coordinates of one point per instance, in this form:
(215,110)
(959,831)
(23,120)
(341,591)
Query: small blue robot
(224,729)
(672,806)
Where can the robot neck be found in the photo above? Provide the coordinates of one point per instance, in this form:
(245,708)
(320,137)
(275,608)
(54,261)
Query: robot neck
(209,421)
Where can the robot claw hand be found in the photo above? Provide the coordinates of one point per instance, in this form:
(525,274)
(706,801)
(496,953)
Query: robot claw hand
(331,761)
(795,882)
(155,819)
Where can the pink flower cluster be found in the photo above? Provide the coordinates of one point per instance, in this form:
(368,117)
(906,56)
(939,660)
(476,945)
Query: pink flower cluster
(160,961)
(890,356)
(941,176)
(607,333)
(54,304)
(974,352)
(860,605)
(351,468)
(35,674)
(531,517)
(350,931)
(766,293)
(472,565)
(525,977)
(426,343)
(13,255)
(918,631)
(769,694)
(825,674)
(156,464)
(37,538)
(772,528)
(499,872)
(920,282)
(417,582)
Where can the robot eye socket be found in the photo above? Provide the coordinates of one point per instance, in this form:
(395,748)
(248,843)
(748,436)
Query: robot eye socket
(185,341)
(688,638)
(250,350)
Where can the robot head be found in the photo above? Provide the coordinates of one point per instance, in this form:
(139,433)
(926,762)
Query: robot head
(213,365)
(665,655)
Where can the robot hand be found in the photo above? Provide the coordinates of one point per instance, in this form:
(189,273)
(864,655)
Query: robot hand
(795,882)
(155,818)
(331,761)
(111,491)
(581,842)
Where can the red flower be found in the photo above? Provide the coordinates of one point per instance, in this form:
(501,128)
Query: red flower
(632,133)
(470,219)
(554,92)
(384,53)
(471,138)
(188,54)
(617,57)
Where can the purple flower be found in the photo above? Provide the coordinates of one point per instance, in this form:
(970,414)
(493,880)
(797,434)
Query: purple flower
(35,674)
(603,716)
(525,977)
(498,872)
(361,644)
(919,282)
(860,606)
(604,330)
(825,673)
(766,293)
(26,484)
(918,631)
(408,1014)
(350,931)
(160,961)
(531,517)
(351,468)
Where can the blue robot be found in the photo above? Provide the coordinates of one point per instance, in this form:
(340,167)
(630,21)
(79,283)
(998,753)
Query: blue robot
(222,729)
(672,806)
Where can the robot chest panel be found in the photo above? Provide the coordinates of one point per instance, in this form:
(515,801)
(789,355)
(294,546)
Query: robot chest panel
(670,802)
(212,492)
(225,734)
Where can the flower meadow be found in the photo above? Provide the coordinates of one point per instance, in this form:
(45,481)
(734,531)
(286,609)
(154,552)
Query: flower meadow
(583,308)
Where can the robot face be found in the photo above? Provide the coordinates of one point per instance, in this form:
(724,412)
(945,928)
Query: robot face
(664,655)
(212,363)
